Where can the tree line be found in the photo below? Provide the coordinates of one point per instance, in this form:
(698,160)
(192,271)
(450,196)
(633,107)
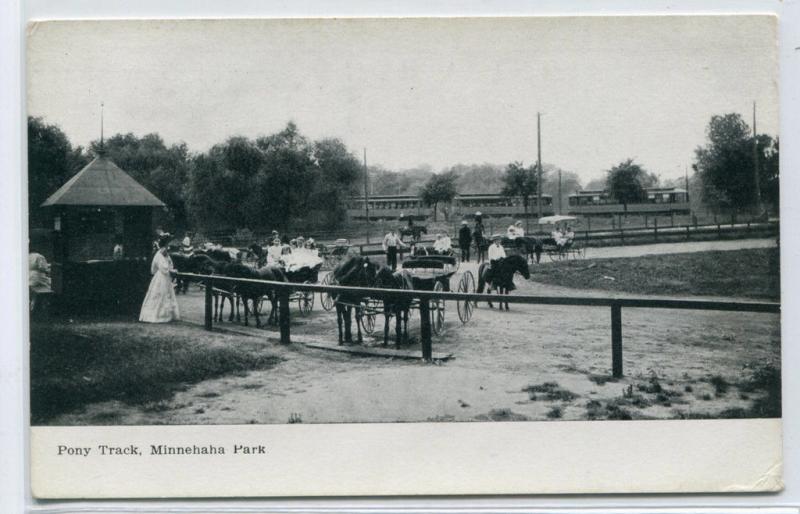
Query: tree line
(283,180)
(286,181)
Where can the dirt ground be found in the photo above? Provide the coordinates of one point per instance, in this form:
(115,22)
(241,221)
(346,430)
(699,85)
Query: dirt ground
(532,363)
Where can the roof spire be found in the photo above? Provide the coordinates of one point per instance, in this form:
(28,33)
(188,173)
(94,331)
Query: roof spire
(102,149)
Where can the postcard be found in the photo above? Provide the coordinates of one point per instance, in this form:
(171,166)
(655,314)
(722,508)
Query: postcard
(404,256)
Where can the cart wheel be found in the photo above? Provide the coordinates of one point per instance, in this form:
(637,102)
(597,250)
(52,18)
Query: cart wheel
(305,301)
(326,299)
(368,320)
(437,308)
(465,285)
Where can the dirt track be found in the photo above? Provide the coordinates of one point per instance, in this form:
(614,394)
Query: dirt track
(496,355)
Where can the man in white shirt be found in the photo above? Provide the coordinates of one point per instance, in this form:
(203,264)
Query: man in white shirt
(391,243)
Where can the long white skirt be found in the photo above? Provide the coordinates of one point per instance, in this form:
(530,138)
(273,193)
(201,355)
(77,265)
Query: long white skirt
(160,304)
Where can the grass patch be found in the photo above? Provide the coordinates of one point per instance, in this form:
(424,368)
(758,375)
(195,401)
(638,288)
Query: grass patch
(501,415)
(555,413)
(721,385)
(752,273)
(596,410)
(73,365)
(549,391)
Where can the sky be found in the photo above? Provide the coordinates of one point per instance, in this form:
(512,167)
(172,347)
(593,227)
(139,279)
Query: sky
(433,91)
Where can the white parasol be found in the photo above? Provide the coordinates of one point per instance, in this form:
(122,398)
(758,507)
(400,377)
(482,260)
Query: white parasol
(552,220)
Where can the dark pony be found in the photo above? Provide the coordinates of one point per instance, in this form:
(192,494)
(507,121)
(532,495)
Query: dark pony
(529,246)
(252,292)
(356,271)
(397,306)
(198,263)
(501,276)
(414,231)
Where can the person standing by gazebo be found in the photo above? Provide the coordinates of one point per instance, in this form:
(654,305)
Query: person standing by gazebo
(160,304)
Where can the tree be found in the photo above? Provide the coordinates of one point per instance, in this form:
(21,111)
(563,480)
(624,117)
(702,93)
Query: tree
(51,162)
(725,165)
(278,181)
(440,188)
(338,172)
(626,182)
(520,182)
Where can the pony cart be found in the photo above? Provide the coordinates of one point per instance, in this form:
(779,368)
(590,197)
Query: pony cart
(564,248)
(429,273)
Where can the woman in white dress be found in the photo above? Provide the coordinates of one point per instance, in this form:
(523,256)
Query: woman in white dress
(160,304)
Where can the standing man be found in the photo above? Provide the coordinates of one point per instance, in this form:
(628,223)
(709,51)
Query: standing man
(477,236)
(464,241)
(391,243)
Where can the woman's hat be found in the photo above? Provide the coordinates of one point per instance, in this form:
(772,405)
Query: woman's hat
(464,222)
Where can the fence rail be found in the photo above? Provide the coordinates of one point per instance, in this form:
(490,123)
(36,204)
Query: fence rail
(616,304)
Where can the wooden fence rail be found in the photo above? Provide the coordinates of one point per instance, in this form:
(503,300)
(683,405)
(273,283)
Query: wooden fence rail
(616,304)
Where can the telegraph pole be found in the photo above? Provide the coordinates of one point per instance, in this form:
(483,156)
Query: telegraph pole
(756,181)
(366,193)
(559,191)
(539,161)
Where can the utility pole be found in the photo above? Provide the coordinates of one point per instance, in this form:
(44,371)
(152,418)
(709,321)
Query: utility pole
(366,193)
(559,191)
(756,181)
(539,161)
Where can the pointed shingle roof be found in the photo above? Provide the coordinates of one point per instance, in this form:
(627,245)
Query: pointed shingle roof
(101,182)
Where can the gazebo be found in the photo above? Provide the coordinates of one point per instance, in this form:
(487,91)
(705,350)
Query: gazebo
(93,211)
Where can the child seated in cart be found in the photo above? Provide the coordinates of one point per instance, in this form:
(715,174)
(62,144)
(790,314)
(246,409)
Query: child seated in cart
(443,245)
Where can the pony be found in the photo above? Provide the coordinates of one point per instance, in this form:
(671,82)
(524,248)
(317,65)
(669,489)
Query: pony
(356,271)
(198,263)
(252,292)
(415,231)
(395,306)
(530,246)
(501,276)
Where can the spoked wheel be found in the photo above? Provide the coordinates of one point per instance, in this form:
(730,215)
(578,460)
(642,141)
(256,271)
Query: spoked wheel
(325,298)
(437,310)
(305,300)
(465,285)
(368,319)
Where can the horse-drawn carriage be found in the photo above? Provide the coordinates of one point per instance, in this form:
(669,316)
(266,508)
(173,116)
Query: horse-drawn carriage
(563,247)
(429,273)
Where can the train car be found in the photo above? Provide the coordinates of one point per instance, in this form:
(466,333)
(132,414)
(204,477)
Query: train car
(463,205)
(387,207)
(497,205)
(659,200)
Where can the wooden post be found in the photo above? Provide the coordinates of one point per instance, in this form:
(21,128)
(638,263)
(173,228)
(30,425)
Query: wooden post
(283,311)
(687,232)
(645,221)
(622,235)
(719,231)
(671,218)
(425,329)
(616,340)
(209,283)
(655,229)
(589,222)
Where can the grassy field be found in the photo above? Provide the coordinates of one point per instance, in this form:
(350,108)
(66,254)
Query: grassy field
(77,363)
(751,273)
